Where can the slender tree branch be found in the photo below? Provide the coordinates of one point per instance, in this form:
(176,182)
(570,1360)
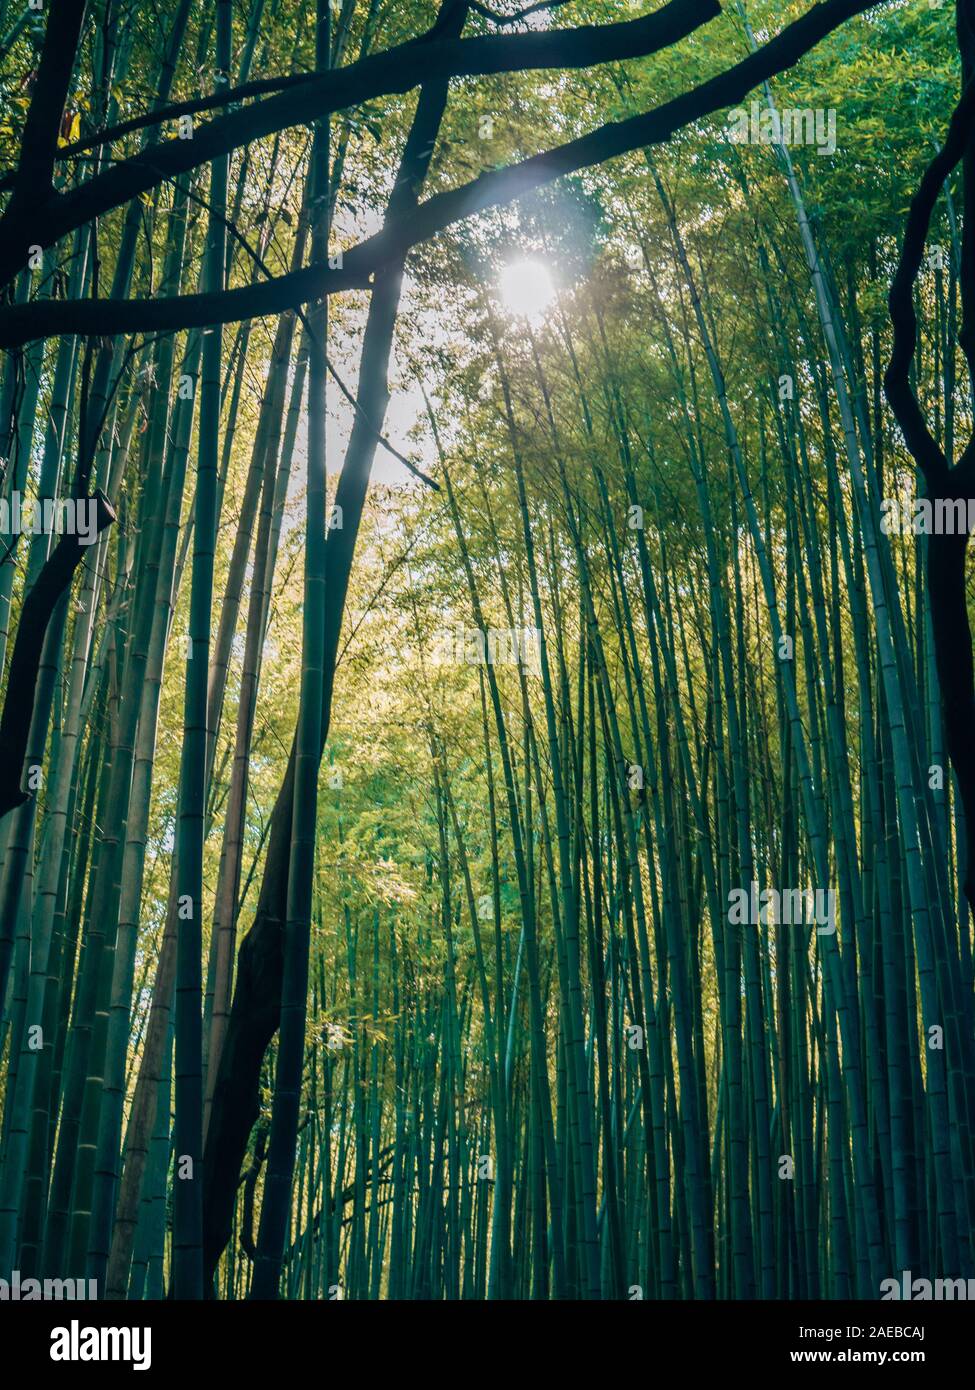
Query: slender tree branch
(261,264)
(215,100)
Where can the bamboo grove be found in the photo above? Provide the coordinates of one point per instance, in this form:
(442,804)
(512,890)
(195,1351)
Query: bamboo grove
(486,823)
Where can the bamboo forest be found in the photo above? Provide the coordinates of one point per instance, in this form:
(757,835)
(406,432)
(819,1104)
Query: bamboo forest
(487,700)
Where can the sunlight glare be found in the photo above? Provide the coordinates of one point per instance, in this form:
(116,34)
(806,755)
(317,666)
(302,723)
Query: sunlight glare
(526,288)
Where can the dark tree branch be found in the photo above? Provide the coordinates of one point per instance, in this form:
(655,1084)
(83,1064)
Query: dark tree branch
(264,86)
(227,97)
(397,70)
(945,566)
(897,383)
(35,169)
(230,96)
(21,323)
(18,705)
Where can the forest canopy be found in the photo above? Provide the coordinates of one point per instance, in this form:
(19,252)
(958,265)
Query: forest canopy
(487,795)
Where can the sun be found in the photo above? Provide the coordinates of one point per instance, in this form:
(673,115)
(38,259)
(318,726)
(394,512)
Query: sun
(526,288)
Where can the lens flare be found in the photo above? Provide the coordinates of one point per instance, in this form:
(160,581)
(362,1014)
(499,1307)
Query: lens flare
(527,288)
